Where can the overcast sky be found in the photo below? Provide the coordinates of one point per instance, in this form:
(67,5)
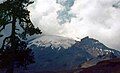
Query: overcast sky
(79,18)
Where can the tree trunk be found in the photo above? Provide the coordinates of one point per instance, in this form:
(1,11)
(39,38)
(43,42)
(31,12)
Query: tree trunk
(10,68)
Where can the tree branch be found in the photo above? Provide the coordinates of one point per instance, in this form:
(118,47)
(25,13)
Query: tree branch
(4,42)
(5,25)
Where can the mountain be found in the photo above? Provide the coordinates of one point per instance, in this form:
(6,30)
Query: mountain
(53,53)
(53,41)
(106,66)
(94,61)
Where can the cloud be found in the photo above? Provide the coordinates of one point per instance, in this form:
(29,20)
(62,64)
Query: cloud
(96,18)
(64,14)
(1,1)
(100,20)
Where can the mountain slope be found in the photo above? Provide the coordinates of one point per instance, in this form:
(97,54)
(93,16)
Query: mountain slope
(106,66)
(60,53)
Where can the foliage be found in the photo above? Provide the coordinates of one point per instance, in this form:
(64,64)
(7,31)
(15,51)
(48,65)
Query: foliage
(14,51)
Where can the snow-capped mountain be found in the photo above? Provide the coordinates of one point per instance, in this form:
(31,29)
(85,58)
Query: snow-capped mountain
(61,53)
(53,41)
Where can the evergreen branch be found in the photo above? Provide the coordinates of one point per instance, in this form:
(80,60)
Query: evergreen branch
(3,27)
(4,42)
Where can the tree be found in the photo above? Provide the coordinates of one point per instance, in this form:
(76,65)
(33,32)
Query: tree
(14,51)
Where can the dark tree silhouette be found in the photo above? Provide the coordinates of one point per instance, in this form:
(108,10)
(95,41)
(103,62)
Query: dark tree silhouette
(14,52)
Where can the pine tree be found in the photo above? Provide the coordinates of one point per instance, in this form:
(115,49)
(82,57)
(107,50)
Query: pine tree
(14,52)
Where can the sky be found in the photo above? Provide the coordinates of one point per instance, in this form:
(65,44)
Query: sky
(79,18)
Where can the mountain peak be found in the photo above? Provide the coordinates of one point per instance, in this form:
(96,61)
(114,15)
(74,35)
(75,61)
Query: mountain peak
(87,38)
(89,41)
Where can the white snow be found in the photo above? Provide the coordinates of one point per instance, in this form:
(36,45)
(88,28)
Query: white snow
(54,41)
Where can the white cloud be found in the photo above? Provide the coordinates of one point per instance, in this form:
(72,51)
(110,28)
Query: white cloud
(95,18)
